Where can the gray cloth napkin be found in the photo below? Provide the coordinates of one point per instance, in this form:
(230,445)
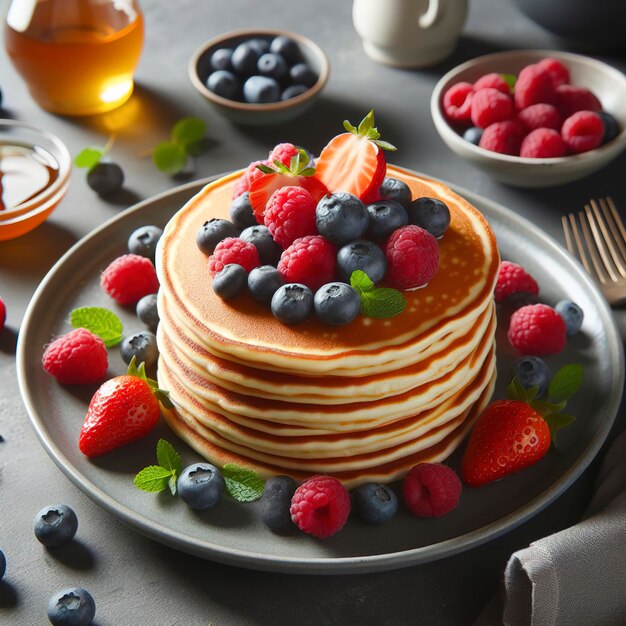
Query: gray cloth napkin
(576,577)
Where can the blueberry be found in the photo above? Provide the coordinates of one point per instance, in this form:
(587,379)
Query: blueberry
(473,135)
(361,255)
(148,312)
(241,211)
(431,214)
(292,303)
(212,232)
(385,216)
(55,525)
(3,564)
(287,48)
(225,84)
(260,46)
(336,304)
(261,89)
(269,251)
(201,486)
(263,281)
(531,371)
(230,281)
(293,91)
(375,503)
(276,501)
(143,241)
(341,217)
(105,178)
(244,59)
(398,190)
(72,607)
(611,126)
(572,315)
(302,74)
(141,345)
(220,59)
(272,65)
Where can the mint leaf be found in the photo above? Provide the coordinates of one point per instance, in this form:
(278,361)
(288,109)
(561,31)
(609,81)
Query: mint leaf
(510,80)
(152,478)
(557,421)
(169,157)
(99,321)
(89,157)
(188,130)
(242,484)
(168,457)
(565,383)
(361,282)
(382,303)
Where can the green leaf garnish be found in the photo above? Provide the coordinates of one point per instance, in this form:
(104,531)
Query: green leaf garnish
(188,131)
(167,456)
(99,321)
(565,382)
(186,140)
(156,478)
(169,157)
(378,303)
(367,130)
(510,80)
(89,157)
(242,484)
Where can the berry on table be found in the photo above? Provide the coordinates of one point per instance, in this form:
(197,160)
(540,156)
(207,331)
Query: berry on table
(336,304)
(543,143)
(290,215)
(287,48)
(249,175)
(293,91)
(374,503)
(105,178)
(225,84)
(144,240)
(221,59)
(213,231)
(272,65)
(571,99)
(142,346)
(129,278)
(71,607)
(385,216)
(276,501)
(310,260)
(540,116)
(302,74)
(260,236)
(513,278)
(283,152)
(611,126)
(534,85)
(583,131)
(148,312)
(572,315)
(555,69)
(241,211)
(490,106)
(261,89)
(537,329)
(244,58)
(341,217)
(473,135)
(233,250)
(412,257)
(397,190)
(263,282)
(361,255)
(55,525)
(503,137)
(493,81)
(431,490)
(430,214)
(457,102)
(531,371)
(292,303)
(201,486)
(230,281)
(76,358)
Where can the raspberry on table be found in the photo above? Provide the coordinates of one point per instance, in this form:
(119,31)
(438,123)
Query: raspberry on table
(76,358)
(583,131)
(457,102)
(503,137)
(249,175)
(555,69)
(494,81)
(540,116)
(534,86)
(570,100)
(431,490)
(490,106)
(513,278)
(412,257)
(310,260)
(233,250)
(290,214)
(283,153)
(320,506)
(543,143)
(537,329)
(129,278)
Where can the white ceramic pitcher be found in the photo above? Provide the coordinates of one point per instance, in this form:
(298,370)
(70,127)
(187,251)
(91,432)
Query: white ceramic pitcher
(409,33)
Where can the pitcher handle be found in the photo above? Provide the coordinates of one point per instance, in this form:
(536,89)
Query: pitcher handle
(432,15)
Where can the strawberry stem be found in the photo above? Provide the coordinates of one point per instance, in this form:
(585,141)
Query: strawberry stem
(367,130)
(299,165)
(161,395)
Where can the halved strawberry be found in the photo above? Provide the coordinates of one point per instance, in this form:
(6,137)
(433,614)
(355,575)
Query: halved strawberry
(299,173)
(354,161)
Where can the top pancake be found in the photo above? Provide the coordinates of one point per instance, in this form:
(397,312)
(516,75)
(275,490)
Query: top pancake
(243,329)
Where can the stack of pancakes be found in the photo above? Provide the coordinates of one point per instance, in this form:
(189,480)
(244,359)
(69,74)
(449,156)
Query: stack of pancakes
(361,402)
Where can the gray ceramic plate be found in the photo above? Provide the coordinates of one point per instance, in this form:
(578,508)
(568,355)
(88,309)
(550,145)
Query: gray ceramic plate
(233,532)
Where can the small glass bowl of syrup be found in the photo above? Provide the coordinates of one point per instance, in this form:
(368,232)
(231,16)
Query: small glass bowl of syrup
(35,168)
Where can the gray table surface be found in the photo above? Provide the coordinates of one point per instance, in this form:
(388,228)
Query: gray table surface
(135,580)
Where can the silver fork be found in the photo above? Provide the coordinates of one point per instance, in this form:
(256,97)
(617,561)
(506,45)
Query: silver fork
(601,247)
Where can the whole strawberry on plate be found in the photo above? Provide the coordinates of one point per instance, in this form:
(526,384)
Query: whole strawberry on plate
(122,410)
(512,434)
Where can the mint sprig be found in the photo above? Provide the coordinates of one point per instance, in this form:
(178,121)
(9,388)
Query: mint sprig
(100,321)
(242,484)
(155,478)
(186,140)
(376,302)
(89,157)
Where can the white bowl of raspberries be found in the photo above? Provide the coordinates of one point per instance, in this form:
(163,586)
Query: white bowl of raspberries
(533,118)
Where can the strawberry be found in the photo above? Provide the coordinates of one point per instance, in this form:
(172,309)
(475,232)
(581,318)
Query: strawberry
(354,161)
(122,410)
(299,173)
(512,434)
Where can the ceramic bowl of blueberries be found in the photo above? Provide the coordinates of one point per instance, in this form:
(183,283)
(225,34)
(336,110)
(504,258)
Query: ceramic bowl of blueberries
(533,118)
(258,77)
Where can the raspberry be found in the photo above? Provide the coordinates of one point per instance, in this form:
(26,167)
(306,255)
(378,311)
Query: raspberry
(431,490)
(534,86)
(490,106)
(540,116)
(513,278)
(537,329)
(457,102)
(570,100)
(412,257)
(310,260)
(555,69)
(320,506)
(3,314)
(129,278)
(283,153)
(76,358)
(503,137)
(543,143)
(234,250)
(250,174)
(290,214)
(583,131)
(493,80)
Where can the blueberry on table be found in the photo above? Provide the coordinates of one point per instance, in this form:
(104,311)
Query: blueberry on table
(473,135)
(244,59)
(225,84)
(144,240)
(292,303)
(394,189)
(385,216)
(293,91)
(55,525)
(276,501)
(105,178)
(531,371)
(260,236)
(263,282)
(341,217)
(374,503)
(261,90)
(148,312)
(241,212)
(141,345)
(212,232)
(361,255)
(72,607)
(201,486)
(230,281)
(336,304)
(302,74)
(430,214)
(221,59)
(3,563)
(272,65)
(572,315)
(287,48)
